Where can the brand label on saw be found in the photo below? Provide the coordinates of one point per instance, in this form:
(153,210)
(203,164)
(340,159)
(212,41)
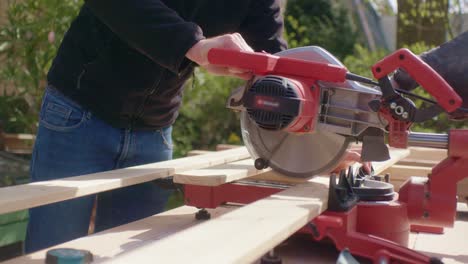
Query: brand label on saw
(263,102)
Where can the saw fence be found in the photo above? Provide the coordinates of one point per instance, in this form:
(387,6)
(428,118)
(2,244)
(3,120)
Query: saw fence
(234,234)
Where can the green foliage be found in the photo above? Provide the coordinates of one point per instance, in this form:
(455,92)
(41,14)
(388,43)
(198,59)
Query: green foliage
(424,21)
(204,120)
(15,116)
(362,59)
(320,23)
(28,44)
(13,170)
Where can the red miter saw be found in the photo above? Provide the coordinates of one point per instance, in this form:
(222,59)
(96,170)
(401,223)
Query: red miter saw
(304,108)
(299,115)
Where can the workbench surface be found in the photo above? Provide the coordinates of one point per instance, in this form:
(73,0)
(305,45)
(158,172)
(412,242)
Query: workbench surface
(452,246)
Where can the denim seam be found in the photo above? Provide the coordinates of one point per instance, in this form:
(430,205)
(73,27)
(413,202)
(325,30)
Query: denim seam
(84,118)
(170,146)
(125,148)
(66,114)
(52,91)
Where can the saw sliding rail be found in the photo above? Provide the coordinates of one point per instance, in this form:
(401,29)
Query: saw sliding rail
(428,140)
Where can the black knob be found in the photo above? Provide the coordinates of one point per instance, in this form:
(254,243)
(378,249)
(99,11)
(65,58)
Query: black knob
(261,164)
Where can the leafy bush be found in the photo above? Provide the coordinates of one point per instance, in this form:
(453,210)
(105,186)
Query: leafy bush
(204,120)
(320,23)
(28,43)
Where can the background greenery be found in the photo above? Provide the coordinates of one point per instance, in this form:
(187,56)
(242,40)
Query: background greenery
(29,41)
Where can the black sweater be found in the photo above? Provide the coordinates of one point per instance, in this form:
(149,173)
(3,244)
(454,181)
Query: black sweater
(124,60)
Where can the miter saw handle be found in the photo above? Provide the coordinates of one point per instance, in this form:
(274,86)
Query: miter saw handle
(423,74)
(265,64)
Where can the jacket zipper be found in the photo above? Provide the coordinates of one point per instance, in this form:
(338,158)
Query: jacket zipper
(141,108)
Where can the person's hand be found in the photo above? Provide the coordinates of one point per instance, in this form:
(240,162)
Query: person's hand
(352,156)
(450,60)
(199,54)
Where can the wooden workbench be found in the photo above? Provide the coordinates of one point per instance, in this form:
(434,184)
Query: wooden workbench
(452,246)
(234,235)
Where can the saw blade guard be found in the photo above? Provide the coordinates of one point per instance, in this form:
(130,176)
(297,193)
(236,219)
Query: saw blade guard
(296,155)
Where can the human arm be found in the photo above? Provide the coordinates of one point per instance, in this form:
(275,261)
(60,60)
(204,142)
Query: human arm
(261,30)
(150,27)
(263,27)
(158,32)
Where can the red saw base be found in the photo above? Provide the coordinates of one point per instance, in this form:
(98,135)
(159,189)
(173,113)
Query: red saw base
(375,230)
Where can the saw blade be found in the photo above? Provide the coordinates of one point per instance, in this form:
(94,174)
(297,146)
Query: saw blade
(296,155)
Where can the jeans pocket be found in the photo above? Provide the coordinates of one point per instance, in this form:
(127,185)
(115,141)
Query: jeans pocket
(59,113)
(166,137)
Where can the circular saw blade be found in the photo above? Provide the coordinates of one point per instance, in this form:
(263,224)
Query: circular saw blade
(296,155)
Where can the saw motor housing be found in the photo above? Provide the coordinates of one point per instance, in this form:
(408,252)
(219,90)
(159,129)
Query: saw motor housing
(279,103)
(302,122)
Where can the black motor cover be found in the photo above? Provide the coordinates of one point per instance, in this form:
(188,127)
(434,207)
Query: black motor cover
(272,102)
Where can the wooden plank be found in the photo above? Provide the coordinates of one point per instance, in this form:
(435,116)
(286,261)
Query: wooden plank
(220,147)
(18,136)
(218,175)
(273,176)
(252,231)
(379,167)
(420,163)
(198,152)
(451,247)
(17,143)
(419,153)
(395,156)
(39,193)
(462,191)
(113,242)
(403,172)
(241,236)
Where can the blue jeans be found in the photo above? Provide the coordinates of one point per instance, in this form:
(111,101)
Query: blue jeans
(70,142)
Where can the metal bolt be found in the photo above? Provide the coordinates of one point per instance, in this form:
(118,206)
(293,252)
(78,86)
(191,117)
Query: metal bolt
(393,105)
(405,115)
(426,214)
(399,110)
(306,128)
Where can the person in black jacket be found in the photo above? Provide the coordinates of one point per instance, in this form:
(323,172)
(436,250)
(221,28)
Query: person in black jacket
(114,91)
